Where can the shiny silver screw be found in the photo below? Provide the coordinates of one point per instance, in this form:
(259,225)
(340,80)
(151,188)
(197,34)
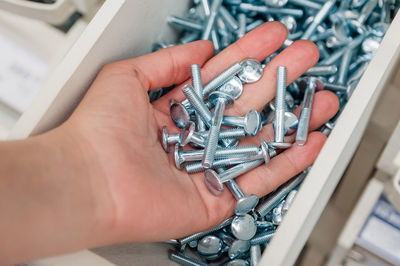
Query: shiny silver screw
(255,255)
(319,17)
(220,100)
(184,23)
(302,130)
(168,139)
(198,104)
(215,182)
(209,245)
(198,87)
(211,19)
(262,238)
(245,203)
(251,123)
(243,227)
(288,201)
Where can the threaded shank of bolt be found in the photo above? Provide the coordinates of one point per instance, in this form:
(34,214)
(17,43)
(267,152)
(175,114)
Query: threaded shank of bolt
(184,23)
(219,80)
(232,133)
(185,261)
(211,147)
(197,103)
(237,151)
(196,80)
(280,88)
(262,238)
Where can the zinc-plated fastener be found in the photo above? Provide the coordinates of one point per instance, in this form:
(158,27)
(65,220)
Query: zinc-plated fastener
(220,100)
(187,239)
(322,70)
(319,17)
(216,4)
(209,245)
(215,182)
(197,104)
(302,130)
(243,227)
(197,155)
(280,193)
(168,139)
(251,122)
(255,255)
(288,201)
(237,262)
(245,7)
(251,71)
(198,87)
(262,238)
(245,203)
(184,23)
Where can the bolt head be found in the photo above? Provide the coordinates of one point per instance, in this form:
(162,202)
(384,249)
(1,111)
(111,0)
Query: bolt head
(246,204)
(252,71)
(237,248)
(215,96)
(290,23)
(341,30)
(186,134)
(291,122)
(177,156)
(244,227)
(209,245)
(276,3)
(233,87)
(179,115)
(252,122)
(280,145)
(213,183)
(164,138)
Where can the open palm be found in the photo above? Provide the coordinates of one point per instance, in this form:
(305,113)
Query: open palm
(143,197)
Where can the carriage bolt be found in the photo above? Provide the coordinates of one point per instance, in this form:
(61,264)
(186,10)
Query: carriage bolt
(242,26)
(251,71)
(227,133)
(209,245)
(265,225)
(179,114)
(265,154)
(197,155)
(198,87)
(306,4)
(344,67)
(236,247)
(322,70)
(211,19)
(270,10)
(245,203)
(168,139)
(302,129)
(251,123)
(220,100)
(319,17)
(184,260)
(290,24)
(277,214)
(187,239)
(277,195)
(280,109)
(339,52)
(255,255)
(233,87)
(197,104)
(288,201)
(189,37)
(215,182)
(251,26)
(184,23)
(237,262)
(366,11)
(262,238)
(219,80)
(229,20)
(243,227)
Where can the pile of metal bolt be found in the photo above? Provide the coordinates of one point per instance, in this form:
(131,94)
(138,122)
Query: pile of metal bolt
(347,33)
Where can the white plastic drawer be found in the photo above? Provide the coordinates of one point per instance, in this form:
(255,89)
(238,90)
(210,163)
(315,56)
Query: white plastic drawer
(123,29)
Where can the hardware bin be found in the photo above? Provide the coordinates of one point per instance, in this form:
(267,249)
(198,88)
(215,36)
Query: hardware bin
(123,29)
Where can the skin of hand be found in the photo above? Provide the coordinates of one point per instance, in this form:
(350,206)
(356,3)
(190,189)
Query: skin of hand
(118,184)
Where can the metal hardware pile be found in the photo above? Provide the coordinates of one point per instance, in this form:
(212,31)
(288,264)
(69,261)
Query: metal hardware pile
(347,33)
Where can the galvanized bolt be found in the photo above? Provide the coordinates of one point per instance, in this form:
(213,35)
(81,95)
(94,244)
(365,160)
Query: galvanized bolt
(277,213)
(251,123)
(211,19)
(322,70)
(209,245)
(198,87)
(220,100)
(179,114)
(262,238)
(216,181)
(319,17)
(302,130)
(255,255)
(168,139)
(245,7)
(288,201)
(243,227)
(232,87)
(251,71)
(184,23)
(197,104)
(245,203)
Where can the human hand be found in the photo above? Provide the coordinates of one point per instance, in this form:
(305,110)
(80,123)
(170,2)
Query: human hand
(140,195)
